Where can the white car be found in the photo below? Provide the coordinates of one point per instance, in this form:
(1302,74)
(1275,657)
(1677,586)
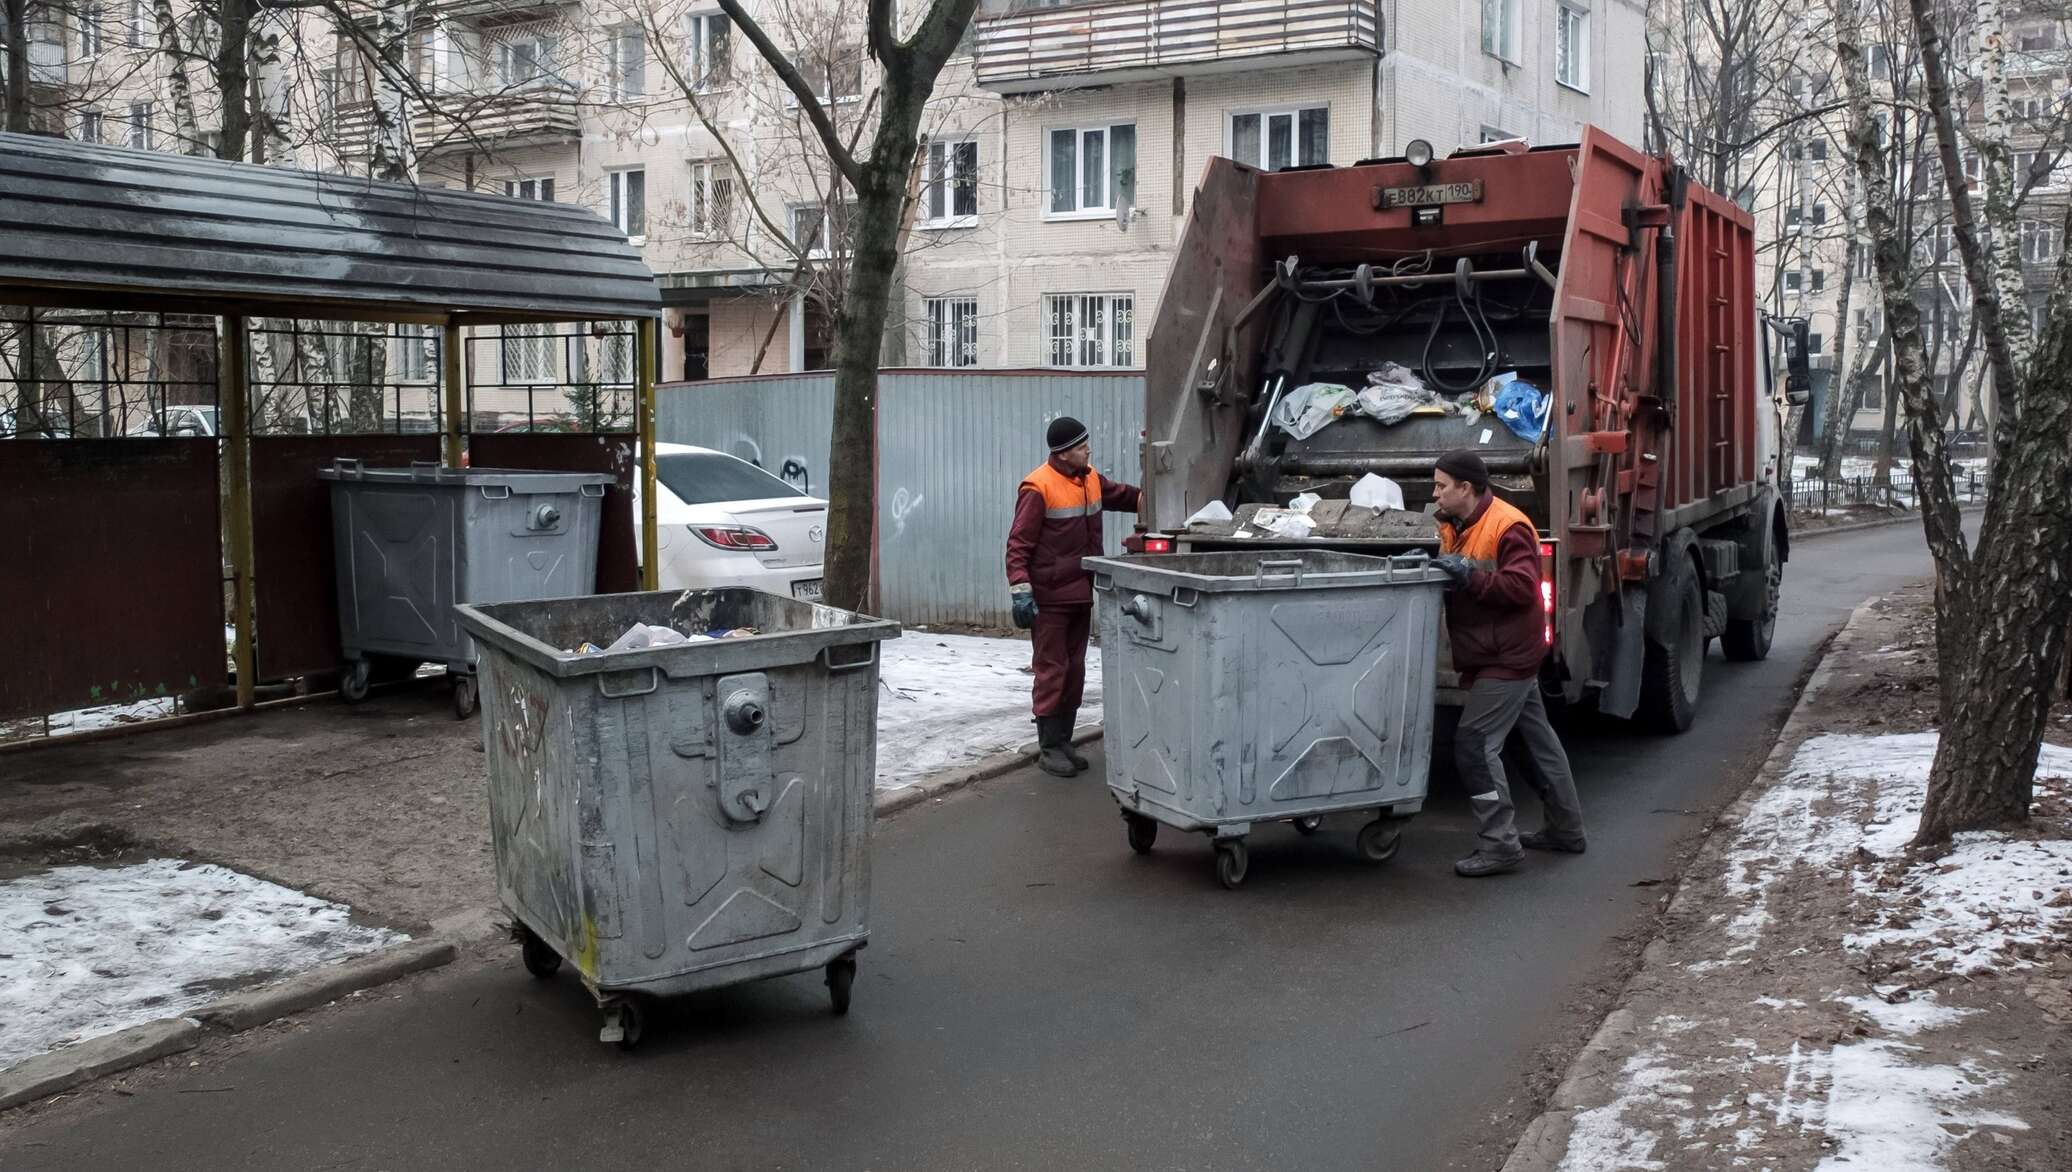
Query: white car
(722,521)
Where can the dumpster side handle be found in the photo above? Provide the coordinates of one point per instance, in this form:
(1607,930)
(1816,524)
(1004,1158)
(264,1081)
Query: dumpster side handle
(827,659)
(603,688)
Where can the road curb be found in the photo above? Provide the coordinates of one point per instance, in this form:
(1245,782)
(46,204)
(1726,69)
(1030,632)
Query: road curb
(1912,518)
(1544,1141)
(61,1070)
(997,765)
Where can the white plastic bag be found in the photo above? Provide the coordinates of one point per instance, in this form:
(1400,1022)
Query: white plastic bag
(1213,513)
(1377,493)
(1304,503)
(1285,523)
(1392,403)
(641,635)
(1395,374)
(1311,407)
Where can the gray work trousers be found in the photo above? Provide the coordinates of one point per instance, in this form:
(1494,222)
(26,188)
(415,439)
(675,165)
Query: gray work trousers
(1494,709)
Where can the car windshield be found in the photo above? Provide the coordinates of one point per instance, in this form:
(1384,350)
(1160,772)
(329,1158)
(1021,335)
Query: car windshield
(705,478)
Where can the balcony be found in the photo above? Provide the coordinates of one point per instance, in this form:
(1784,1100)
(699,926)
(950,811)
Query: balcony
(541,116)
(1038,49)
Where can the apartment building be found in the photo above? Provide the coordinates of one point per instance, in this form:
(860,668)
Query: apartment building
(1063,142)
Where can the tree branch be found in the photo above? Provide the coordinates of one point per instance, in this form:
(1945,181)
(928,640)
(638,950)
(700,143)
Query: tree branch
(843,158)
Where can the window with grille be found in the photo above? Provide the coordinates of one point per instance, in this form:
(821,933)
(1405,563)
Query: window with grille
(949,195)
(606,361)
(525,57)
(527,354)
(1089,329)
(952,331)
(412,354)
(707,43)
(142,21)
(541,189)
(90,126)
(1093,170)
(2039,241)
(628,201)
(140,126)
(1500,21)
(1572,46)
(628,62)
(712,200)
(1274,140)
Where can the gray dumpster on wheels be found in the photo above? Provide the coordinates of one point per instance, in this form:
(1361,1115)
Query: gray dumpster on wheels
(1275,685)
(412,542)
(676,818)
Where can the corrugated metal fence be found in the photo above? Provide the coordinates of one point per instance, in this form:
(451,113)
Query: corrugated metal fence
(952,446)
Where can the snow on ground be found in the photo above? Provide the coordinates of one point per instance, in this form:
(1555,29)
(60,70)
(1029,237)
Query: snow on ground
(1849,804)
(87,719)
(86,951)
(950,700)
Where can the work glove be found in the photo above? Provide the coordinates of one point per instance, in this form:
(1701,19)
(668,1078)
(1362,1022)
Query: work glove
(1024,604)
(1455,567)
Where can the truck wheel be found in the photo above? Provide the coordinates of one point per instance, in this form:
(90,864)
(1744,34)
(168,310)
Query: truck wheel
(1672,670)
(1748,640)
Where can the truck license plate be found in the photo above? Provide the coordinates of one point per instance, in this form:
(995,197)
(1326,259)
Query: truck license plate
(807,591)
(1432,194)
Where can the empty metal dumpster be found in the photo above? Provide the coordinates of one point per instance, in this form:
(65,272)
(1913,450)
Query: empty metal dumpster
(411,542)
(1277,685)
(676,818)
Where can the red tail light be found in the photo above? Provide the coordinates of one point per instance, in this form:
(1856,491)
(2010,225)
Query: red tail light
(1158,545)
(734,537)
(1547,592)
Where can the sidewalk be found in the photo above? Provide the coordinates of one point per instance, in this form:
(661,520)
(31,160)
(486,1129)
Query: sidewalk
(1816,999)
(252,848)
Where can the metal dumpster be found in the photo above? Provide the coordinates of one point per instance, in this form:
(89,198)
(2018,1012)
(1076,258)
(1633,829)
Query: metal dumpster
(411,542)
(1277,685)
(676,818)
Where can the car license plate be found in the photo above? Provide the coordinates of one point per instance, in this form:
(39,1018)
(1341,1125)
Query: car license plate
(1432,194)
(807,591)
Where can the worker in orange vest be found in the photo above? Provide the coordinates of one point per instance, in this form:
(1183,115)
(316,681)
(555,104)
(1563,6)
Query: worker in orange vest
(1490,553)
(1057,521)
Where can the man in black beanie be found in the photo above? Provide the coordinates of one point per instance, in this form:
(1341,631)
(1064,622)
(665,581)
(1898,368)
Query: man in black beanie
(1490,552)
(1057,521)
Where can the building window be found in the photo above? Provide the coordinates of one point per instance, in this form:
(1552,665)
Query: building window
(93,40)
(1496,134)
(611,364)
(1274,140)
(1811,150)
(1093,170)
(2038,39)
(712,200)
(835,75)
(1500,20)
(541,189)
(707,40)
(1881,63)
(212,143)
(140,126)
(2040,241)
(1572,46)
(142,19)
(1792,280)
(1819,282)
(412,356)
(1089,329)
(952,331)
(90,126)
(1795,214)
(528,354)
(949,197)
(524,58)
(628,62)
(812,232)
(2039,316)
(629,201)
(1874,392)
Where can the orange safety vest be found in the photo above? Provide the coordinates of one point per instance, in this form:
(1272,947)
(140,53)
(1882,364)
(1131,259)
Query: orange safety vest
(1062,497)
(1071,531)
(1478,544)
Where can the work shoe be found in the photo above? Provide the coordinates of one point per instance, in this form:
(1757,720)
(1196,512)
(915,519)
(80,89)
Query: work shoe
(1078,758)
(1480,865)
(1546,840)
(1053,754)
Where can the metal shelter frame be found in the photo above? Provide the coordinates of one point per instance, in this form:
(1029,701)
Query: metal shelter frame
(107,228)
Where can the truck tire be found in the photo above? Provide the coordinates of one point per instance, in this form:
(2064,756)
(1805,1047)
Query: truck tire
(1748,640)
(1675,664)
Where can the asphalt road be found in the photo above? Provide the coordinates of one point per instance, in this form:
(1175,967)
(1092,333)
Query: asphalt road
(1036,996)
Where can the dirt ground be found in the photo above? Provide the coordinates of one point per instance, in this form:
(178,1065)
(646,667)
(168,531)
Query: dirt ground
(381,806)
(1751,1009)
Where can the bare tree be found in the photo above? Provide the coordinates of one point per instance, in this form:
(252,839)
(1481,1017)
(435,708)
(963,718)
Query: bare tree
(2002,610)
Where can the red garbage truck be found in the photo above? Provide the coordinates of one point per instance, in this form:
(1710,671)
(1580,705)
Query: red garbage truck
(1584,316)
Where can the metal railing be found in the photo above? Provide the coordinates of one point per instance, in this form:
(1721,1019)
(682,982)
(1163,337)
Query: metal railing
(1047,42)
(1895,491)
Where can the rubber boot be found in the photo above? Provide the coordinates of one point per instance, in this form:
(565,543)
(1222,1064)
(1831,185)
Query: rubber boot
(1050,754)
(1065,725)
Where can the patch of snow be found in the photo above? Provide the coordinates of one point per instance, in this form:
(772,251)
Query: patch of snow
(1769,1002)
(1886,1110)
(950,700)
(1909,1017)
(93,950)
(1616,1137)
(81,720)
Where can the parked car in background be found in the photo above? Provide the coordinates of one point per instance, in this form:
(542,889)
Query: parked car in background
(722,521)
(50,428)
(190,421)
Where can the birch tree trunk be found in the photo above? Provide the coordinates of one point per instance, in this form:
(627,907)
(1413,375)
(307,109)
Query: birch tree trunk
(185,127)
(2003,186)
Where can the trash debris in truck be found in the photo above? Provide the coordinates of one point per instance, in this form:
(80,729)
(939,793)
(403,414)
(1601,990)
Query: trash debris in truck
(1522,407)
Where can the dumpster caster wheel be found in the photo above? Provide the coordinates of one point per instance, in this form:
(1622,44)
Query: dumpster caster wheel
(1142,831)
(624,1023)
(463,697)
(1231,861)
(1379,840)
(540,958)
(352,684)
(1308,826)
(841,974)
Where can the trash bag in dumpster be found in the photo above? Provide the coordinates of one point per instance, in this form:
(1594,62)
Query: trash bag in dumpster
(676,817)
(1268,686)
